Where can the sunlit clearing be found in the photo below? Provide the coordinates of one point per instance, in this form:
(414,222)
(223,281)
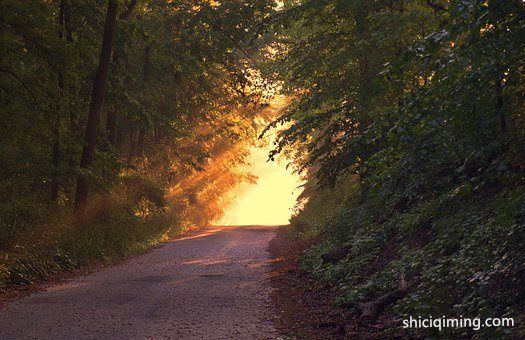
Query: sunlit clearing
(270,200)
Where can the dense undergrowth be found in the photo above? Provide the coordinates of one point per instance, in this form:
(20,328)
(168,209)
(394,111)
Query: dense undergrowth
(461,252)
(39,241)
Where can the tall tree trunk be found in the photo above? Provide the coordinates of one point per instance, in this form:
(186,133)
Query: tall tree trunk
(97,101)
(55,186)
(67,30)
(147,78)
(112,117)
(65,8)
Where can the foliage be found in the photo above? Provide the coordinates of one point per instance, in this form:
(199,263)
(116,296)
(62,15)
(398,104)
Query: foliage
(120,226)
(180,96)
(420,103)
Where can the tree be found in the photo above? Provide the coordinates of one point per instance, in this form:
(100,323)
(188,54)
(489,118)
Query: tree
(409,112)
(176,81)
(97,102)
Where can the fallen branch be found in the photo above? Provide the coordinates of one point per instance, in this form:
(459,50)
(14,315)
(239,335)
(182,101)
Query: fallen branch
(371,310)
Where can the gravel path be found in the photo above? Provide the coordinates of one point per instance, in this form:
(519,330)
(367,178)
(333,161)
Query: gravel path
(209,286)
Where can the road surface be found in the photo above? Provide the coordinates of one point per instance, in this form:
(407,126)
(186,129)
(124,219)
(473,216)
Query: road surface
(209,286)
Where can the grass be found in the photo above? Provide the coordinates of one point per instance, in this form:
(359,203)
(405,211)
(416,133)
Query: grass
(50,242)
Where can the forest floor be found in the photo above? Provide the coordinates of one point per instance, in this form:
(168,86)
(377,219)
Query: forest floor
(212,284)
(304,307)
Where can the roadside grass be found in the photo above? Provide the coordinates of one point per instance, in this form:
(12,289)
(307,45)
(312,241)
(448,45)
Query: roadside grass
(49,242)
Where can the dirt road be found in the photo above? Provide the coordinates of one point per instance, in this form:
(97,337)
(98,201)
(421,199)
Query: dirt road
(209,286)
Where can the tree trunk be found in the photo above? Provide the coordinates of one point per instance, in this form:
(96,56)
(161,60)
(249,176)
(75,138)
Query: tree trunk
(67,30)
(147,77)
(66,17)
(119,139)
(55,187)
(97,100)
(112,117)
(147,64)
(56,161)
(111,126)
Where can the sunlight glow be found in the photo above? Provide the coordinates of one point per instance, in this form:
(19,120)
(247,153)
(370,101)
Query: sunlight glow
(270,200)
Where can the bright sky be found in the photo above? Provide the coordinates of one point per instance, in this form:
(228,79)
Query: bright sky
(271,199)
